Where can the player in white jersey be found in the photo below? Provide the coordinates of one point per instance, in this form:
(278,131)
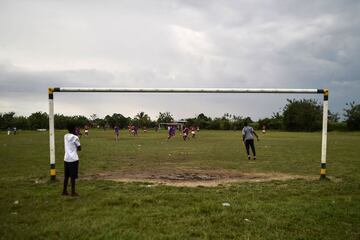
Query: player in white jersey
(71,159)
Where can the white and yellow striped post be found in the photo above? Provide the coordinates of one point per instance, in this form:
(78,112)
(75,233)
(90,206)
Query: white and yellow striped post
(52,135)
(324,135)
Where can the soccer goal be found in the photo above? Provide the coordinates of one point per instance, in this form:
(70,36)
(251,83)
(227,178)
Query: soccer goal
(325,93)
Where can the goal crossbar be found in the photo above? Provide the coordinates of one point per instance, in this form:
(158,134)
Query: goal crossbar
(325,93)
(189,90)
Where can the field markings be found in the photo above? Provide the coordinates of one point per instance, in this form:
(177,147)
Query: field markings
(194,178)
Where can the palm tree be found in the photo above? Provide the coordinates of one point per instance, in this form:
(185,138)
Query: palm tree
(143,118)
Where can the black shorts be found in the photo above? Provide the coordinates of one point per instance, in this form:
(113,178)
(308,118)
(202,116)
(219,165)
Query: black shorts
(71,169)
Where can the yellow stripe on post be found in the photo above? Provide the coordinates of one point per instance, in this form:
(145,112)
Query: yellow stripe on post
(50,90)
(52,172)
(322,171)
(326,92)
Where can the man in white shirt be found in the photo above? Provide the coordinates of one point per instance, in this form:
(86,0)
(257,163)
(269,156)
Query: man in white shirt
(248,139)
(71,159)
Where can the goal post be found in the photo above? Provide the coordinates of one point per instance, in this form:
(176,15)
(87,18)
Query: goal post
(325,93)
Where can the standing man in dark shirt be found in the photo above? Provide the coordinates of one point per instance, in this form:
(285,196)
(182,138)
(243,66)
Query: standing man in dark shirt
(248,139)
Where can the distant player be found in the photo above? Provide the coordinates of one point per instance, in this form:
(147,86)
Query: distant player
(185,133)
(134,130)
(86,130)
(193,132)
(248,139)
(71,159)
(116,131)
(171,131)
(263,129)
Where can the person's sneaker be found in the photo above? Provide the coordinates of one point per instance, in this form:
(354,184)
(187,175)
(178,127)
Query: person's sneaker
(254,157)
(249,158)
(65,193)
(75,194)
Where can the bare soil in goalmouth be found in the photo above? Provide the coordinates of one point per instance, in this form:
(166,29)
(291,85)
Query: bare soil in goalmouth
(193,178)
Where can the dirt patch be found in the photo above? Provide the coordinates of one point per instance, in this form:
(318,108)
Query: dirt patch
(193,178)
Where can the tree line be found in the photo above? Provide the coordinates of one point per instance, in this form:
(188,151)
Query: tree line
(297,115)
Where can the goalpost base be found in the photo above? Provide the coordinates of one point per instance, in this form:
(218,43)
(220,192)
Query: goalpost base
(324,178)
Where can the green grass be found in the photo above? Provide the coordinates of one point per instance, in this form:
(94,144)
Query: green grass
(293,209)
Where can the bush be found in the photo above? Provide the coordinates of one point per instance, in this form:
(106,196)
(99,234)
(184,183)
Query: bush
(302,115)
(352,116)
(38,120)
(337,126)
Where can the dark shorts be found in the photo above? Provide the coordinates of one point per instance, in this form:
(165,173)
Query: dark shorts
(71,169)
(250,143)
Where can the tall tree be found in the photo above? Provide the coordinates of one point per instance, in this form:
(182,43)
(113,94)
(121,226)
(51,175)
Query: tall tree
(275,122)
(61,121)
(143,119)
(302,115)
(80,121)
(117,119)
(352,116)
(7,120)
(21,122)
(203,121)
(38,120)
(333,117)
(165,117)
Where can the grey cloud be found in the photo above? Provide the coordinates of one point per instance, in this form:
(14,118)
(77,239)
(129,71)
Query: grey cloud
(17,80)
(288,44)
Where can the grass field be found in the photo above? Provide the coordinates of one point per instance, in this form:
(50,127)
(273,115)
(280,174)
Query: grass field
(305,208)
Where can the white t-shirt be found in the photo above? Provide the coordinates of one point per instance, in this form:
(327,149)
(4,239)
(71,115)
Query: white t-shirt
(248,133)
(71,142)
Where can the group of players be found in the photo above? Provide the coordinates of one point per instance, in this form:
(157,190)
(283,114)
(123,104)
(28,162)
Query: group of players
(247,132)
(185,132)
(133,130)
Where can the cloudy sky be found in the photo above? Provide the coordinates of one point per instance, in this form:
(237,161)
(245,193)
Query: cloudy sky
(173,43)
